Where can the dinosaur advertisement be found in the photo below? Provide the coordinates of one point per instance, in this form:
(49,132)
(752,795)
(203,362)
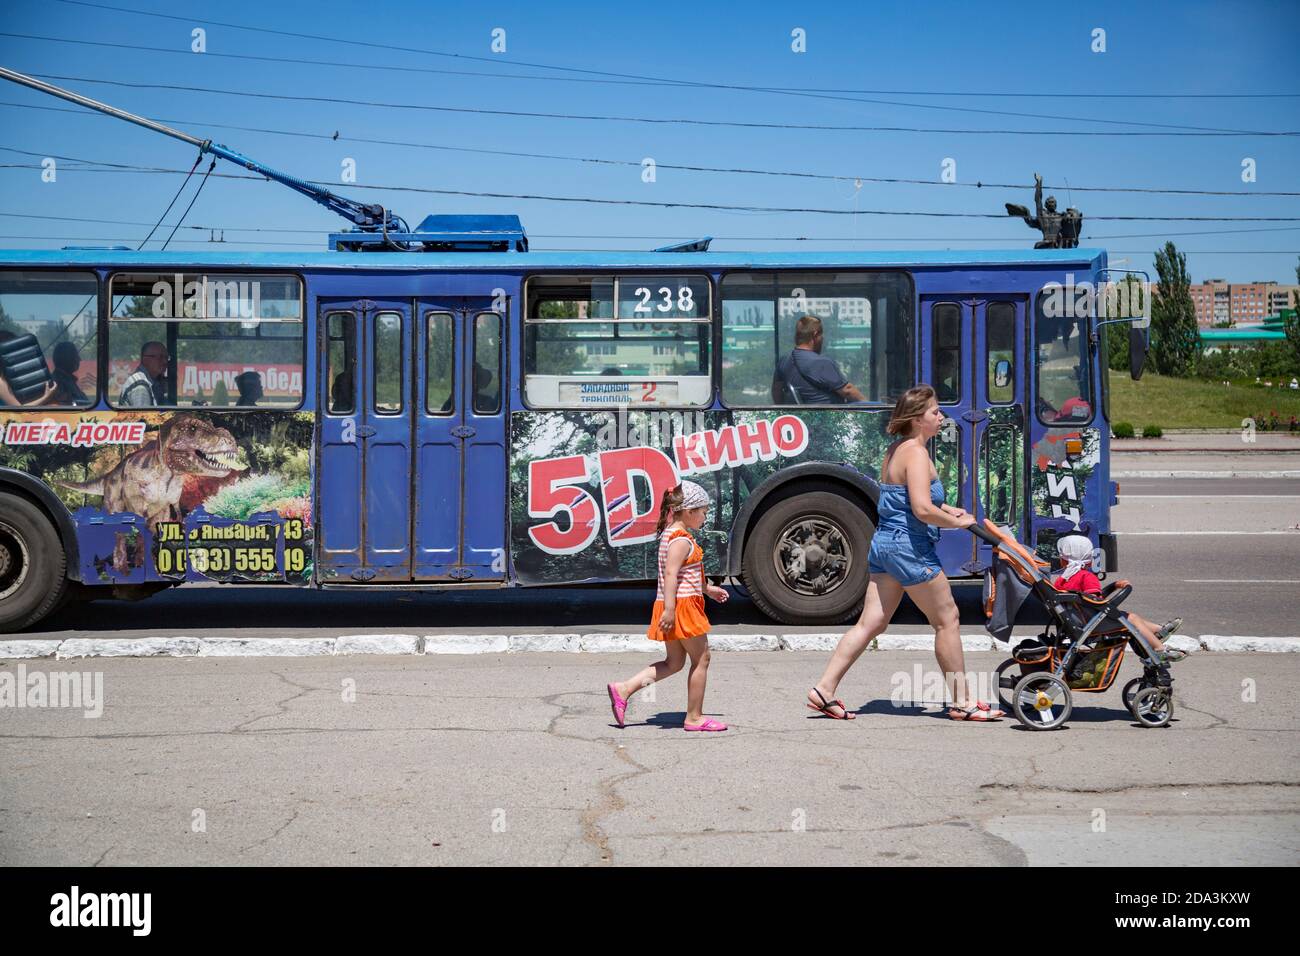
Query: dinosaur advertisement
(185,496)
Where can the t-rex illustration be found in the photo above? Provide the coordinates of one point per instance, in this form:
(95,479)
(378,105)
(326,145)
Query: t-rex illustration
(149,481)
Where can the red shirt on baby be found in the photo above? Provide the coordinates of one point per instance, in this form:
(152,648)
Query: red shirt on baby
(1084,581)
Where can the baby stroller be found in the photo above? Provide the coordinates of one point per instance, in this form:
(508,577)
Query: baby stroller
(1080,651)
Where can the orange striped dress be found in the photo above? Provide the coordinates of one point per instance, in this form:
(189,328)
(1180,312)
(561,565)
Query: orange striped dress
(689,620)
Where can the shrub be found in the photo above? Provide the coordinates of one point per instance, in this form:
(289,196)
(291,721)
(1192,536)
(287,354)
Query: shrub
(1122,430)
(1151,431)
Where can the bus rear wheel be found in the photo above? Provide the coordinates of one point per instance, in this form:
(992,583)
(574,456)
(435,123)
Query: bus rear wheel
(33,566)
(806,560)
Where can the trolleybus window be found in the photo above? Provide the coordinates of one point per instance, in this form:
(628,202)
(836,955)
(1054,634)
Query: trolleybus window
(388,363)
(440,363)
(487,363)
(340,334)
(192,339)
(1000,339)
(49,327)
(865,321)
(648,343)
(1061,360)
(945,353)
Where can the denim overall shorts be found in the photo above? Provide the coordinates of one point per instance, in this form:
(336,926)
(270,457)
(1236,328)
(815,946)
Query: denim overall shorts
(903,546)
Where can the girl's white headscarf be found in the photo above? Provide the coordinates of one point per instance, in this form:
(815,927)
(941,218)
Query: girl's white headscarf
(693,496)
(1077,552)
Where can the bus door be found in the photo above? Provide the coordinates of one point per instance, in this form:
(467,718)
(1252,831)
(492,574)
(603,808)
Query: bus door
(364,475)
(947,332)
(461,492)
(973,349)
(1001,481)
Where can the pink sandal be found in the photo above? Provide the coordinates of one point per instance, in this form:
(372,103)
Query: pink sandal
(710,725)
(617,703)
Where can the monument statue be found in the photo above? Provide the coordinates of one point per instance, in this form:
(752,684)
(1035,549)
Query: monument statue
(1060,230)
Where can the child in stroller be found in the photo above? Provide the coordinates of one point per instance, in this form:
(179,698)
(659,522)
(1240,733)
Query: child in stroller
(1081,649)
(1076,552)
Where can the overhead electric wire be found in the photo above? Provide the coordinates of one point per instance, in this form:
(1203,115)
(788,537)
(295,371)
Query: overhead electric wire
(300,61)
(661,238)
(309,246)
(725,207)
(685,121)
(634,76)
(796,174)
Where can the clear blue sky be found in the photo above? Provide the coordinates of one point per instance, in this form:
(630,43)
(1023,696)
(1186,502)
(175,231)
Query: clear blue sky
(968,48)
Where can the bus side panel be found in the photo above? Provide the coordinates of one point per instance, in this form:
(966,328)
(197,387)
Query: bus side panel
(586,484)
(173,496)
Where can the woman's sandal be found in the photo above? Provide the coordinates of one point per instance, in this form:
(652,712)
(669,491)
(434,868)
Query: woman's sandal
(826,706)
(980,713)
(709,725)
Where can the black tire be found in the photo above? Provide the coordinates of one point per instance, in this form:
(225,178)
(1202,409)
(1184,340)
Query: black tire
(799,603)
(33,566)
(1153,706)
(1041,701)
(1005,683)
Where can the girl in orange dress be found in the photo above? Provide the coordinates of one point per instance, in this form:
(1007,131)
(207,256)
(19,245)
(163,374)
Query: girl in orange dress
(678,617)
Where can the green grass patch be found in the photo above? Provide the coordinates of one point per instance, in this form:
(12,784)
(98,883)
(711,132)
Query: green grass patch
(1195,403)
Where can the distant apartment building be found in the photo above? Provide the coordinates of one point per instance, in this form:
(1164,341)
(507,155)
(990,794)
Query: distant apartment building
(1219,302)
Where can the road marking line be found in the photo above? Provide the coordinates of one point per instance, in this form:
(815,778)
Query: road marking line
(1239,581)
(1139,534)
(1124,497)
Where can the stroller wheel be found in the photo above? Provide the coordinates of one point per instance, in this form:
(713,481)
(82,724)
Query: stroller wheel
(1130,691)
(1153,706)
(1041,701)
(1005,683)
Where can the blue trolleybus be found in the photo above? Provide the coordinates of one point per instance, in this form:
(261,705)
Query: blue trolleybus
(438,407)
(454,419)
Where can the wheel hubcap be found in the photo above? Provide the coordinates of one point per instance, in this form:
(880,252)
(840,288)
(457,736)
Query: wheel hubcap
(812,556)
(13,560)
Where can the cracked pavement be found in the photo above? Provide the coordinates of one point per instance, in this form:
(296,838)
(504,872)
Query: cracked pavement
(514,759)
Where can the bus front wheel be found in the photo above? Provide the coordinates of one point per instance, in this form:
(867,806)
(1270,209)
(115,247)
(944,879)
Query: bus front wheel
(806,560)
(32,564)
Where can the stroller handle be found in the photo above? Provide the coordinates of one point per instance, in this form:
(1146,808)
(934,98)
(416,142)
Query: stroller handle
(981,532)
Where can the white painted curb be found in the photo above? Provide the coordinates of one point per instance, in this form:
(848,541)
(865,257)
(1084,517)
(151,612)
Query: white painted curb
(129,647)
(15,650)
(265,647)
(377,644)
(1237,645)
(599,643)
(466,644)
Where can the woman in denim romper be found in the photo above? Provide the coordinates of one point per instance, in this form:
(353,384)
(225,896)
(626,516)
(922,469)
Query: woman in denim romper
(902,559)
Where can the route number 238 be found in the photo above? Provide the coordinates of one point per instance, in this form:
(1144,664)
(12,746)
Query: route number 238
(685,300)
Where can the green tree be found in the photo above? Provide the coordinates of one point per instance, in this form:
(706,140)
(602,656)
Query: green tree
(1291,320)
(1175,342)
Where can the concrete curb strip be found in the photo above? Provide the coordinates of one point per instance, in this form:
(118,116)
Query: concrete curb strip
(132,647)
(27,649)
(601,643)
(265,647)
(1236,644)
(378,644)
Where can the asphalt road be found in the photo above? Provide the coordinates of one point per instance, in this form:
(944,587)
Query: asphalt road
(514,759)
(1223,554)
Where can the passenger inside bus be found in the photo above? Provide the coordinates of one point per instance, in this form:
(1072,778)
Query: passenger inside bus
(250,388)
(147,385)
(66,359)
(806,377)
